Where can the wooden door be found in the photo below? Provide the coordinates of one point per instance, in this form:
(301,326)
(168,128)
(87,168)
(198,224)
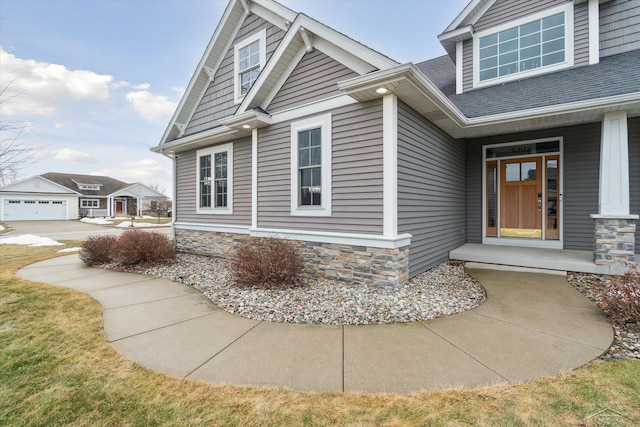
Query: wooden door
(521,198)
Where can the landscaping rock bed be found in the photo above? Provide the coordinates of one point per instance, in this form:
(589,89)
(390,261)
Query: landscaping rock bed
(626,344)
(442,291)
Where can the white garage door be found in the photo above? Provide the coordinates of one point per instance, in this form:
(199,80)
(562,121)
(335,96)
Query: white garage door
(28,210)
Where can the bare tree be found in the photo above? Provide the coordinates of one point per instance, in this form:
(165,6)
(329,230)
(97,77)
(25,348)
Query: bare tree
(14,153)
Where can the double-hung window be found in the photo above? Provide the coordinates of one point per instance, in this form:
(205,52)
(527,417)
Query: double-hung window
(249,59)
(215,179)
(541,43)
(311,167)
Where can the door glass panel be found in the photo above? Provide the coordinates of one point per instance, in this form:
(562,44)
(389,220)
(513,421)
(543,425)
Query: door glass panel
(513,172)
(552,199)
(529,171)
(492,199)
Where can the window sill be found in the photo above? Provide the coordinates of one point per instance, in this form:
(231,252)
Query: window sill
(311,212)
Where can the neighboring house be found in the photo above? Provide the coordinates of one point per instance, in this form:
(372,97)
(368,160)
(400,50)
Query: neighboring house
(69,196)
(527,133)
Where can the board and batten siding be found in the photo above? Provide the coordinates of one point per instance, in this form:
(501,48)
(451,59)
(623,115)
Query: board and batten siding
(357,201)
(580,175)
(186,182)
(218,100)
(619,27)
(314,78)
(634,174)
(431,190)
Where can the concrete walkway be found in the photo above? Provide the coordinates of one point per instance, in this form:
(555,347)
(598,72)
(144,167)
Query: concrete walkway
(531,325)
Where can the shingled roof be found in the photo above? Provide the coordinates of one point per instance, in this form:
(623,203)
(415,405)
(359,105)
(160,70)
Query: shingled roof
(614,75)
(107,184)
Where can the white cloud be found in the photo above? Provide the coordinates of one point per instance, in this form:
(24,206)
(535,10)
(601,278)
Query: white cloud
(120,84)
(143,170)
(40,88)
(71,155)
(151,107)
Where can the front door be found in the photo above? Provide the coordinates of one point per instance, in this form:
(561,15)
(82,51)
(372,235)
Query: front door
(522,194)
(119,207)
(521,207)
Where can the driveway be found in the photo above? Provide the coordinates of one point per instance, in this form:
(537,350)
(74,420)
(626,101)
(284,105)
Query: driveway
(69,230)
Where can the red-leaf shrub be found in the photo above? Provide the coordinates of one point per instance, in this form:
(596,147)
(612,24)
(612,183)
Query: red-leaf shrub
(136,246)
(267,262)
(97,249)
(621,297)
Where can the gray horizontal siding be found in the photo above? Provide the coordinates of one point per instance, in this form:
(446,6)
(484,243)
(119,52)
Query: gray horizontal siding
(357,174)
(186,178)
(314,78)
(218,100)
(634,174)
(581,34)
(619,27)
(581,178)
(504,11)
(431,190)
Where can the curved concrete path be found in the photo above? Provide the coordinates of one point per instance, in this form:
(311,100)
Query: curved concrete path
(531,325)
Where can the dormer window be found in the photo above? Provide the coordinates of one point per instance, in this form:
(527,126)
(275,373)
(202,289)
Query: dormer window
(249,59)
(541,43)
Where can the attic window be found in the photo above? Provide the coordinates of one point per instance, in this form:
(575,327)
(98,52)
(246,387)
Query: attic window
(249,59)
(89,186)
(539,43)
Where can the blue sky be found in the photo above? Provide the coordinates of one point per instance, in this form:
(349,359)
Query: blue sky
(95,82)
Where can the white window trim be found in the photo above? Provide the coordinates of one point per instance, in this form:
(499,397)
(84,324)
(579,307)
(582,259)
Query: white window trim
(262,37)
(212,151)
(568,46)
(324,123)
(82,203)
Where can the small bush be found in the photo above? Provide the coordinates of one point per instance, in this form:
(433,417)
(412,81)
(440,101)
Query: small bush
(97,249)
(267,262)
(136,246)
(621,297)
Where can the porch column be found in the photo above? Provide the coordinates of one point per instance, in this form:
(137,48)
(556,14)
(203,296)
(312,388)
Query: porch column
(614,226)
(109,206)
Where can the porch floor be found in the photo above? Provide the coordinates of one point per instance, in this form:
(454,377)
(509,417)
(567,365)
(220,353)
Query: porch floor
(561,260)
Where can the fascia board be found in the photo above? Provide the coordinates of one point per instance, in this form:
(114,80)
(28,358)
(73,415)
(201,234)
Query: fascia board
(183,143)
(470,14)
(457,35)
(198,74)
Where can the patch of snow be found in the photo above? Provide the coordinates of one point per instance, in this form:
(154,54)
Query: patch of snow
(1,228)
(29,240)
(69,250)
(99,221)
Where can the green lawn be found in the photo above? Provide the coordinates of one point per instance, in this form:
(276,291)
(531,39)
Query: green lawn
(57,369)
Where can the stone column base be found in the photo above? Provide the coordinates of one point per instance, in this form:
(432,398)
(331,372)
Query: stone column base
(614,239)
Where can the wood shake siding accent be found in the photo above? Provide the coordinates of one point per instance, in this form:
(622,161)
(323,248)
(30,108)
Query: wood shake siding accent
(634,174)
(186,188)
(619,27)
(218,100)
(581,34)
(504,11)
(581,170)
(431,190)
(314,78)
(357,174)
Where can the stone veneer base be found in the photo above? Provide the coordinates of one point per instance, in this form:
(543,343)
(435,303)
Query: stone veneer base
(614,239)
(364,265)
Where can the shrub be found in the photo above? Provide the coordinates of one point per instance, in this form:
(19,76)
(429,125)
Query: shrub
(267,262)
(136,246)
(97,249)
(621,297)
